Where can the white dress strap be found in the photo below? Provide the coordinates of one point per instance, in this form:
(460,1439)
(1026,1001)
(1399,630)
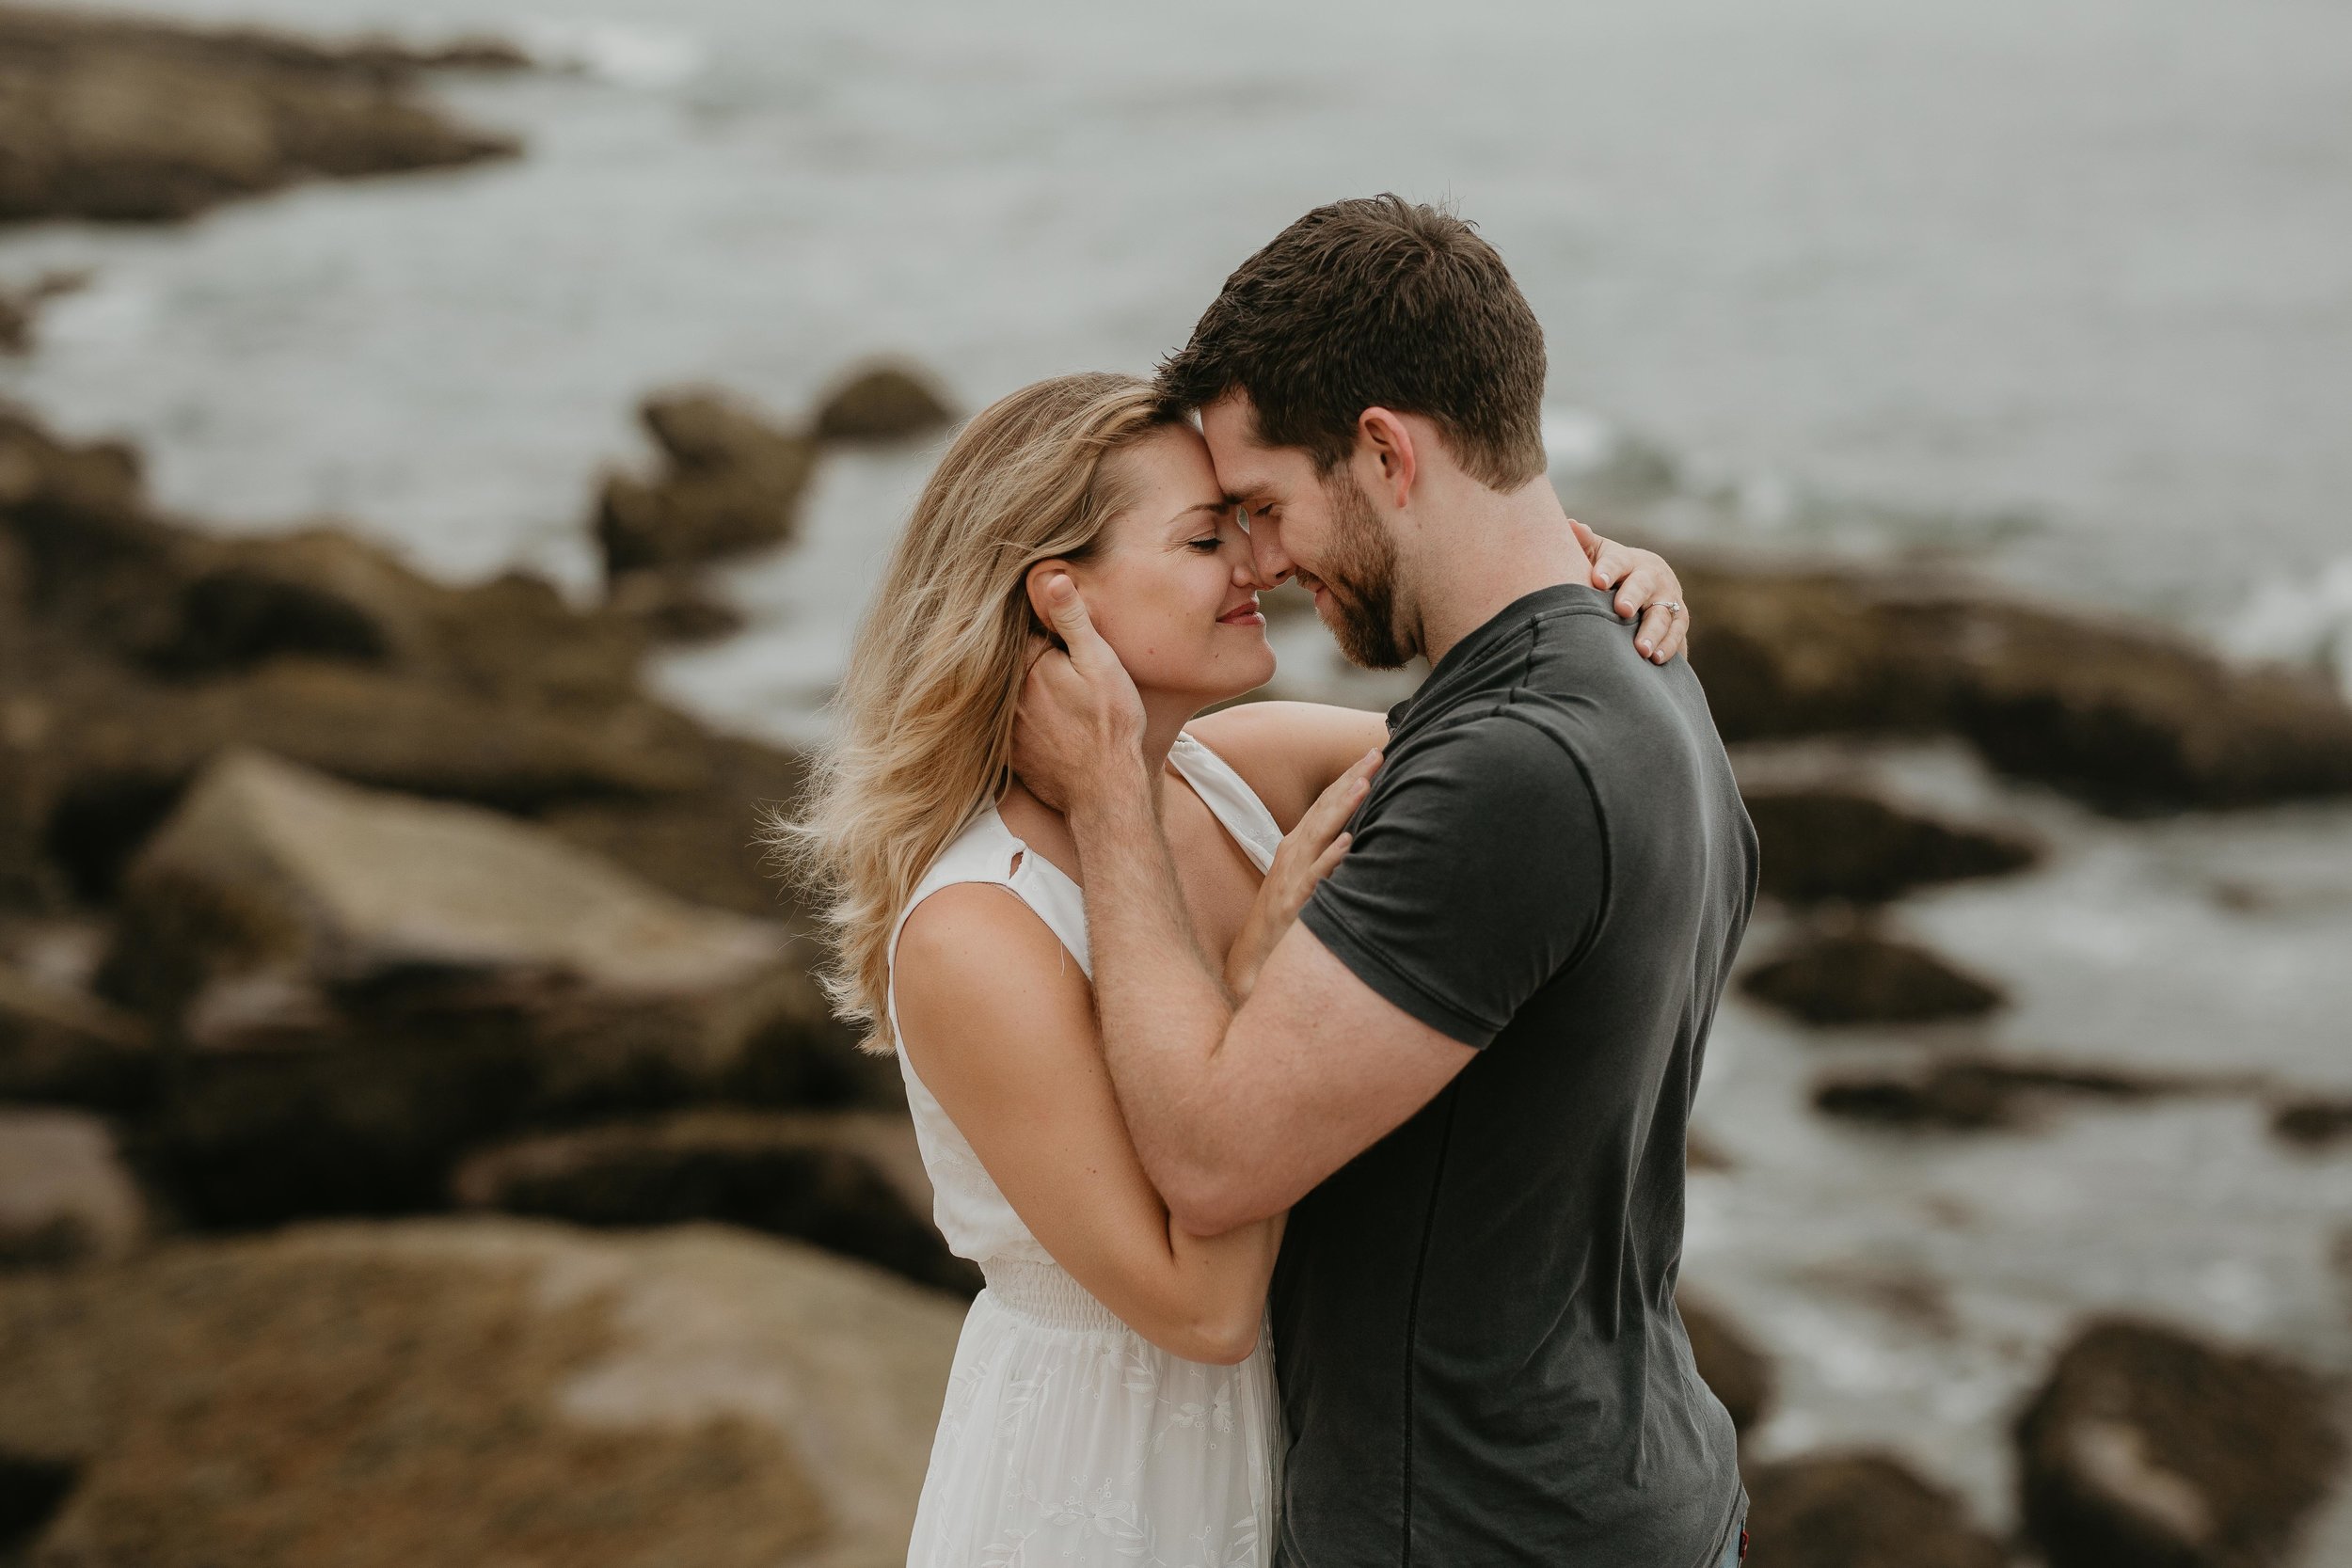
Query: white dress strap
(1229,796)
(989,852)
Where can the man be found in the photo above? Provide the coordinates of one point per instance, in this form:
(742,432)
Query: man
(1468,1069)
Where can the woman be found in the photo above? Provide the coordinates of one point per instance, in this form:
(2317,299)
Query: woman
(1112,1399)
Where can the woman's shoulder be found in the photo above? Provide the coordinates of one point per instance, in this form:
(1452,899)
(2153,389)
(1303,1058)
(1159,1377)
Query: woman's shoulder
(974,946)
(984,992)
(965,896)
(1289,752)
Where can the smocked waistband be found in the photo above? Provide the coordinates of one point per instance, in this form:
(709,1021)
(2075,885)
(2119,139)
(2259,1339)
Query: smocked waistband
(1045,1293)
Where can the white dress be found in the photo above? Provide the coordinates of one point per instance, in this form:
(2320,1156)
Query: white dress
(1067,1438)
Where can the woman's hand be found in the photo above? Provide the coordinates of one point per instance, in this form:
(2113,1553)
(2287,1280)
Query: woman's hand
(1307,853)
(1647,586)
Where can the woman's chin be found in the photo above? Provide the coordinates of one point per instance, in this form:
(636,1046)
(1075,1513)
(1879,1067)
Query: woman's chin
(1234,678)
(1265,673)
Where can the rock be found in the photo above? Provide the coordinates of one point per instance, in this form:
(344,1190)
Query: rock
(2314,1123)
(849,1181)
(674,605)
(2149,1447)
(1738,1372)
(1859,1510)
(134,748)
(1947,1098)
(267,867)
(352,1117)
(1861,978)
(92,557)
(697,843)
(89,554)
(1968,1094)
(65,1198)
(328,594)
(315,645)
(367,1109)
(475,1391)
(65,1045)
(29,879)
(127,120)
(237,613)
(886,401)
(479,52)
(1819,845)
(2120,715)
(368,984)
(145,648)
(731,483)
(31,1490)
(18,306)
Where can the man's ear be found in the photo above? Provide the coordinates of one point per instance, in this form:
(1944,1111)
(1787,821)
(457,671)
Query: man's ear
(1382,440)
(1035,583)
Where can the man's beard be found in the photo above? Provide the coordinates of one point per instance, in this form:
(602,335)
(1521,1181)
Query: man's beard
(1360,573)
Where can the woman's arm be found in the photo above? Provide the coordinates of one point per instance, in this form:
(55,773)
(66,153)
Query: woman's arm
(1291,752)
(1001,1024)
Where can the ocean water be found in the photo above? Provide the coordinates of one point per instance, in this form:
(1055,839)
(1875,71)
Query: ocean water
(2061,290)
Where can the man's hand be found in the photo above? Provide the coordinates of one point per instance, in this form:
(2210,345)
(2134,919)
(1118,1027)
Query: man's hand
(1646,585)
(1080,716)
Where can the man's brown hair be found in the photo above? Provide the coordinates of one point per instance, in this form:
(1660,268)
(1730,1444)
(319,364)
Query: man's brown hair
(1376,302)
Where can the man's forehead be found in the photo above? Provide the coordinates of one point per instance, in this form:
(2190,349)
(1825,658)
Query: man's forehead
(1248,472)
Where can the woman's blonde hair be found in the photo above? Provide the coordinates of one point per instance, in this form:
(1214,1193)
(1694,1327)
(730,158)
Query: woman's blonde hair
(922,724)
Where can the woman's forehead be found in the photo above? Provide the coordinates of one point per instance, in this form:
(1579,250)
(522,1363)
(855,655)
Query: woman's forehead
(1171,471)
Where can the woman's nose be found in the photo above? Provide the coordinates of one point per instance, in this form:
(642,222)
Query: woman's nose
(1247,574)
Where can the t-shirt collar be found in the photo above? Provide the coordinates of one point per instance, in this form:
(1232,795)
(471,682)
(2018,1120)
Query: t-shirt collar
(1502,623)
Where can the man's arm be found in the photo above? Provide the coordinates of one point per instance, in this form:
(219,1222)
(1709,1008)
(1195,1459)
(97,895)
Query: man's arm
(1234,1114)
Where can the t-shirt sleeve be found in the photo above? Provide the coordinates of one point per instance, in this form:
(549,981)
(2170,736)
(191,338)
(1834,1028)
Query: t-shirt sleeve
(1478,871)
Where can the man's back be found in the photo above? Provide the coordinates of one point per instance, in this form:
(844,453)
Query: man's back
(1474,1320)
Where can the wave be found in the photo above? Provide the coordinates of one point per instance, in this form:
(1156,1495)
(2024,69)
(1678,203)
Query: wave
(1613,474)
(628,55)
(2303,620)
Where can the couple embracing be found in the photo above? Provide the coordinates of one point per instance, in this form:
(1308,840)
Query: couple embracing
(1310,1088)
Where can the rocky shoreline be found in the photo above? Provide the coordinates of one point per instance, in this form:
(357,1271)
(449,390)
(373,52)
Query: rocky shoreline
(124,120)
(332,891)
(329,890)
(419,1135)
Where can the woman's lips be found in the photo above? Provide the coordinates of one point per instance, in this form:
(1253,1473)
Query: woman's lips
(1243,615)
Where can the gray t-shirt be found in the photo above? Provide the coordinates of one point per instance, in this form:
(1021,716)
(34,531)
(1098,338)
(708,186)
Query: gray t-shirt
(1474,1320)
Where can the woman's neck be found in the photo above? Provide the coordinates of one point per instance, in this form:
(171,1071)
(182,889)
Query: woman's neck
(1165,716)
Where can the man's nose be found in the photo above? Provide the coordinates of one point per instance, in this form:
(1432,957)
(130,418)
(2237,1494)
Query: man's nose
(1269,566)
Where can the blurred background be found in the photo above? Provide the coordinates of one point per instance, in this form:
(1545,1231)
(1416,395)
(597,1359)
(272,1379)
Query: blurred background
(447,446)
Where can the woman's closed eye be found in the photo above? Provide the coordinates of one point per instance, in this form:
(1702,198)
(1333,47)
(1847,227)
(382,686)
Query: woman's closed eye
(1206,542)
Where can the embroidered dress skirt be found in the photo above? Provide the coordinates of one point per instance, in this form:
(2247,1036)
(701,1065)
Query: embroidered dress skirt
(1067,1438)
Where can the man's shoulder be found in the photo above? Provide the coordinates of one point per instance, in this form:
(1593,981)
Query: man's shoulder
(1496,754)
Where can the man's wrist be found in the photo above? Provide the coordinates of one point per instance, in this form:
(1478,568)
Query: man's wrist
(1112,801)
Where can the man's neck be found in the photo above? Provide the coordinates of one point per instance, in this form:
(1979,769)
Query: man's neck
(1485,551)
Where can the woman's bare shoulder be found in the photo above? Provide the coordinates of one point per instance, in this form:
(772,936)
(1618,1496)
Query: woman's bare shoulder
(979,981)
(971,931)
(1289,752)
